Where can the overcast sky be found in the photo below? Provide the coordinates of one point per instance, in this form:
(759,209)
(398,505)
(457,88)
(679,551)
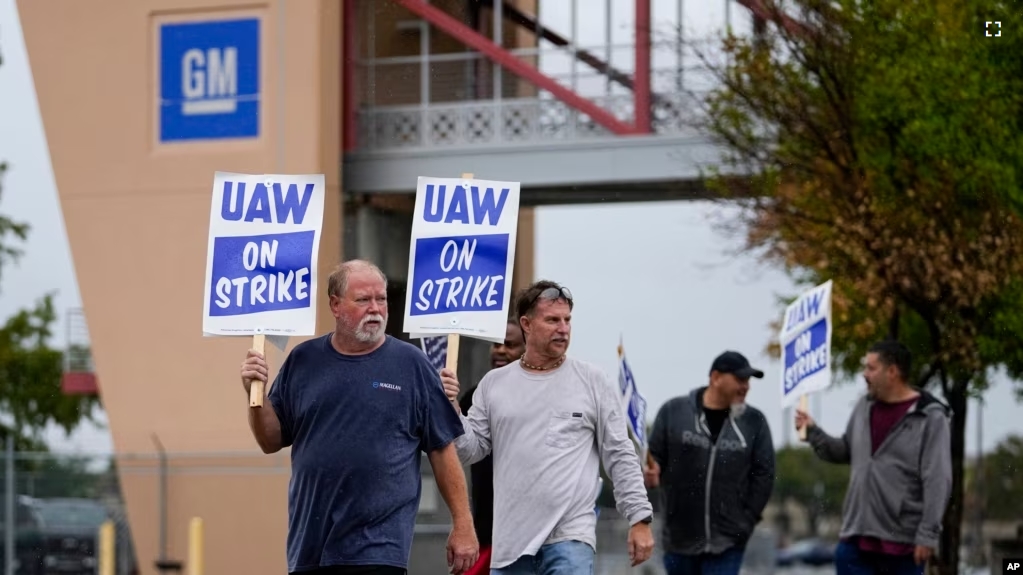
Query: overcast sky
(667,283)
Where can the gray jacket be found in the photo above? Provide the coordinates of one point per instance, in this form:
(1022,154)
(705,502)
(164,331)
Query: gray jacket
(714,493)
(900,492)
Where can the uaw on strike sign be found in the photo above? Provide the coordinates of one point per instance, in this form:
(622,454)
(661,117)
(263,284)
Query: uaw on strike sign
(261,259)
(806,345)
(461,258)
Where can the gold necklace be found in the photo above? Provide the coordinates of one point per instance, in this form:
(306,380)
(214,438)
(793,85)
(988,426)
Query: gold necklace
(522,360)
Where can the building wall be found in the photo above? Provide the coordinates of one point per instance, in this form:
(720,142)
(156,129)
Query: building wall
(137,217)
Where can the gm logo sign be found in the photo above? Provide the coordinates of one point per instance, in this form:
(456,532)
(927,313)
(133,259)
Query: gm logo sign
(209,80)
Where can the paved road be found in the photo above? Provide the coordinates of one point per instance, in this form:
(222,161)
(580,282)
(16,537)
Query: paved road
(429,558)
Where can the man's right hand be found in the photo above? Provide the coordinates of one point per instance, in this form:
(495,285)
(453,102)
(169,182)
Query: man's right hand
(803,419)
(652,474)
(254,367)
(463,547)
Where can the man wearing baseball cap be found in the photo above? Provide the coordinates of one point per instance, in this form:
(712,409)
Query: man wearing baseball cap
(713,457)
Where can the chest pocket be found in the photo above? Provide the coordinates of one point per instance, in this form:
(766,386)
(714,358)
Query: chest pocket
(566,429)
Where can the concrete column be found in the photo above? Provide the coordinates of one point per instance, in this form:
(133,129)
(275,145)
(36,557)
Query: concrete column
(137,216)
(524,273)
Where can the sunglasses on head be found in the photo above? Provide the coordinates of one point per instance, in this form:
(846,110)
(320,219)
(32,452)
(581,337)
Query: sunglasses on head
(553,293)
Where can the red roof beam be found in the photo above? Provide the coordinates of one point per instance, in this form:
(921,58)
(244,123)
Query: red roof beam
(511,63)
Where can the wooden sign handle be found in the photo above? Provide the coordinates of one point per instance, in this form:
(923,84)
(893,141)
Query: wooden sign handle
(453,338)
(257,388)
(804,406)
(452,359)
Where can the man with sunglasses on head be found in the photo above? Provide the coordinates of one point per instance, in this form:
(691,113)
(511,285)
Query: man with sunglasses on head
(550,420)
(482,472)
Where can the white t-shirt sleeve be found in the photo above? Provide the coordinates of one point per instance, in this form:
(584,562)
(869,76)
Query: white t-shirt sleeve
(618,454)
(475,444)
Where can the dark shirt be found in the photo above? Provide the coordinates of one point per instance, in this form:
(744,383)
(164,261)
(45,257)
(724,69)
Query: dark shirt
(883,418)
(711,504)
(482,477)
(357,426)
(715,420)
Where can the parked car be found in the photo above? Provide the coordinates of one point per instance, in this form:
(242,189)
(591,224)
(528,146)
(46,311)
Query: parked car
(25,540)
(815,552)
(59,536)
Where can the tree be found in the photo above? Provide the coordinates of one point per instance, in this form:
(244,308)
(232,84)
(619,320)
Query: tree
(30,370)
(883,146)
(30,374)
(816,486)
(56,476)
(1003,484)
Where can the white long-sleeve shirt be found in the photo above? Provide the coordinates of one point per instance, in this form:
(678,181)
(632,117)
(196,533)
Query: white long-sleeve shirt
(548,433)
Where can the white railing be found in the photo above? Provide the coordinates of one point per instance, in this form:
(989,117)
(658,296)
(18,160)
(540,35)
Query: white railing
(520,120)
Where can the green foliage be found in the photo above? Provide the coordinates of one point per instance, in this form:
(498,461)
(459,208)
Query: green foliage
(883,145)
(10,231)
(886,154)
(1003,480)
(57,476)
(814,484)
(998,340)
(30,370)
(30,374)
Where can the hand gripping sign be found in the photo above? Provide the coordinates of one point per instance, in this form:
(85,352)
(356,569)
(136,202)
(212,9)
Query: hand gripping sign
(261,259)
(806,347)
(461,259)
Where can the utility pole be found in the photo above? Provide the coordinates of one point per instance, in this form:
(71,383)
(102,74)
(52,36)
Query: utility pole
(11,501)
(981,495)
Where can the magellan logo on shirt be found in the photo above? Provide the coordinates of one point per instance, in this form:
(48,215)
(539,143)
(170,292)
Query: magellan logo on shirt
(382,385)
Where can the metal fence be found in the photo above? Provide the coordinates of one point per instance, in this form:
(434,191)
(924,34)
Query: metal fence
(52,511)
(58,503)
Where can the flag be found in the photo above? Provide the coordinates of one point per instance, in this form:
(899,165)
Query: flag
(635,404)
(436,349)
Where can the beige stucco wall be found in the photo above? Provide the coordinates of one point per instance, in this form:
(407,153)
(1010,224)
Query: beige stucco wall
(137,217)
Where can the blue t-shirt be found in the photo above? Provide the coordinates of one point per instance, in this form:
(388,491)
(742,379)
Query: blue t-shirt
(357,426)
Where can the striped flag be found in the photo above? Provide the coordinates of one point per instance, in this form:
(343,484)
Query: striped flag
(436,349)
(635,404)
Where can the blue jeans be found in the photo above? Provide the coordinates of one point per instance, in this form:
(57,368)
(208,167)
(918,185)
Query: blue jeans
(851,560)
(562,558)
(726,563)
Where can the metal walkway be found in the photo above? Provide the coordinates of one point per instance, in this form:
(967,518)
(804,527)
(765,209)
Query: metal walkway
(494,91)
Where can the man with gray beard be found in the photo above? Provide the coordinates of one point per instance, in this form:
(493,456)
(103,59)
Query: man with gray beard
(713,456)
(358,407)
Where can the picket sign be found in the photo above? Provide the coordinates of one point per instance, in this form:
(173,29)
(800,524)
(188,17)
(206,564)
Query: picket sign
(261,259)
(461,258)
(454,338)
(805,339)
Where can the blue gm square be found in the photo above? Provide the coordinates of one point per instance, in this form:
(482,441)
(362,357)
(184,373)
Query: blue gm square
(459,273)
(278,267)
(209,80)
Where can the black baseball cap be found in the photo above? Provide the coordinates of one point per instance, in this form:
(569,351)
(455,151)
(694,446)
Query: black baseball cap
(735,363)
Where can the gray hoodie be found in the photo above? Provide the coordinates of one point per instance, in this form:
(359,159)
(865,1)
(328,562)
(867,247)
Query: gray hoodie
(714,493)
(899,493)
